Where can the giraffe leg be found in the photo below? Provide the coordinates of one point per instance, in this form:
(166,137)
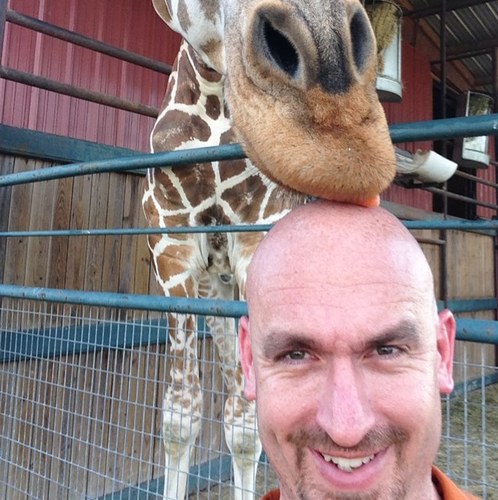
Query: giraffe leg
(182,406)
(240,415)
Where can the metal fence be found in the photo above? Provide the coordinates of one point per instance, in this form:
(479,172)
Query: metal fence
(80,402)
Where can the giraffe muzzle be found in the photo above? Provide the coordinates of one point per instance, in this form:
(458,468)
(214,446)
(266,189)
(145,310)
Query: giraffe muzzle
(284,46)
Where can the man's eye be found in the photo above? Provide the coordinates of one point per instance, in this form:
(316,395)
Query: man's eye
(296,355)
(388,350)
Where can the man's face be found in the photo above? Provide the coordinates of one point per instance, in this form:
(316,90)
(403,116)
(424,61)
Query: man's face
(347,366)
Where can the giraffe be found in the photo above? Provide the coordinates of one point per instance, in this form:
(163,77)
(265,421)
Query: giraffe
(294,82)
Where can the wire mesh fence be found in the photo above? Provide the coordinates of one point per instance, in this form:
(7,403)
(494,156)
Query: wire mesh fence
(469,447)
(81,392)
(80,405)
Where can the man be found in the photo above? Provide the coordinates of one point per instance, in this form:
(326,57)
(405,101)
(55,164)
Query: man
(347,356)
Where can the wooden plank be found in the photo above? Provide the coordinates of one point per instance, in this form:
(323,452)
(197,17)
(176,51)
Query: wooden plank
(103,379)
(22,428)
(64,403)
(41,460)
(470,265)
(6,167)
(115,462)
(54,418)
(143,266)
(77,248)
(129,243)
(81,425)
(38,251)
(433,254)
(112,244)
(59,246)
(136,440)
(471,275)
(19,216)
(95,244)
(163,380)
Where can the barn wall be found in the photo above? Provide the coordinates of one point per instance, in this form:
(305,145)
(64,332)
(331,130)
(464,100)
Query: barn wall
(129,24)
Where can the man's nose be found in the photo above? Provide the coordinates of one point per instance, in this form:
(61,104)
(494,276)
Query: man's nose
(345,409)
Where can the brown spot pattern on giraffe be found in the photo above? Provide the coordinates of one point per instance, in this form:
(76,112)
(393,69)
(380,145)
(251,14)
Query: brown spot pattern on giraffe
(176,127)
(183,15)
(213,107)
(232,169)
(244,197)
(211,216)
(205,71)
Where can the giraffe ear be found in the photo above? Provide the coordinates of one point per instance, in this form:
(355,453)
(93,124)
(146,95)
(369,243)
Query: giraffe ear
(162,9)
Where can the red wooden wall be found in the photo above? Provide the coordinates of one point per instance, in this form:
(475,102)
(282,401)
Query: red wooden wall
(129,24)
(416,105)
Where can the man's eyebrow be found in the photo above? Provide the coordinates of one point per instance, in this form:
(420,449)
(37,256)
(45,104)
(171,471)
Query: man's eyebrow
(276,343)
(405,332)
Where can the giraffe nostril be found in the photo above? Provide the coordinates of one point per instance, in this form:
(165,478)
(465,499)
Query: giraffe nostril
(361,40)
(280,50)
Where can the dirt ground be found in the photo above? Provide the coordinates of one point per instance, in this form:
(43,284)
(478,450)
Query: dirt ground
(469,448)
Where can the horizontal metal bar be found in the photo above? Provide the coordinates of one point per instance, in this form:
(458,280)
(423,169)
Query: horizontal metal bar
(458,225)
(437,224)
(136,231)
(20,345)
(79,92)
(201,477)
(182,305)
(135,162)
(452,127)
(477,330)
(475,178)
(470,305)
(86,42)
(471,330)
(473,385)
(448,128)
(461,197)
(431,241)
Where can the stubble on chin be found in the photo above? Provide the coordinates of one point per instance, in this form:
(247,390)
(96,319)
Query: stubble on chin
(318,439)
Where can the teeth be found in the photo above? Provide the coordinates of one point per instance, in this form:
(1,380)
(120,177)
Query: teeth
(348,464)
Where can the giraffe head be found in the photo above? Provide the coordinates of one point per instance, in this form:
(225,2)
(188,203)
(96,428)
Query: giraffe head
(300,87)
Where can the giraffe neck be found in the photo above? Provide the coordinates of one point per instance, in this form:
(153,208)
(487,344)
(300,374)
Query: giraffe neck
(193,112)
(194,115)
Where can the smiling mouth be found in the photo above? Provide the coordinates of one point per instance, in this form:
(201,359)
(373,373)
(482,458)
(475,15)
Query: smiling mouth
(348,464)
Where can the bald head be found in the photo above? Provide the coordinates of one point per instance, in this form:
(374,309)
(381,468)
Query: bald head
(343,344)
(343,243)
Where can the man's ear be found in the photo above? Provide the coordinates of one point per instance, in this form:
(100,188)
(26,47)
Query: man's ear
(246,358)
(446,348)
